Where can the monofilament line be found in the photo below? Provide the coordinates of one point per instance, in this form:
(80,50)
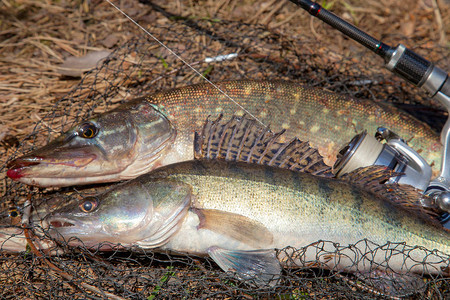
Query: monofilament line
(185,62)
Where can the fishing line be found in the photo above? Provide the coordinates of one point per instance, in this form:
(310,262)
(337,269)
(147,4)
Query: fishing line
(185,62)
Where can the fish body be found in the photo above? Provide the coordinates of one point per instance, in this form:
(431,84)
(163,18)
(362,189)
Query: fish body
(157,130)
(237,212)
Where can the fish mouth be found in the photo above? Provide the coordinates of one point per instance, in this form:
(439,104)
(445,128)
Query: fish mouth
(17,166)
(71,231)
(34,166)
(24,162)
(60,223)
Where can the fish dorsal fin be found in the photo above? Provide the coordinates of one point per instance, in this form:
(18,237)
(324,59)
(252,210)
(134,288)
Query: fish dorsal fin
(373,179)
(242,139)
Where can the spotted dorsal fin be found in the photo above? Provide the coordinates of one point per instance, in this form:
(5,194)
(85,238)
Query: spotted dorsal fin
(373,179)
(243,139)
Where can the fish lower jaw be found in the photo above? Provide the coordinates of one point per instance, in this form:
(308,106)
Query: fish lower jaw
(66,181)
(30,177)
(46,181)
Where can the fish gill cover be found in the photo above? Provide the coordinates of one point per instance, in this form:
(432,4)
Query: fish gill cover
(140,66)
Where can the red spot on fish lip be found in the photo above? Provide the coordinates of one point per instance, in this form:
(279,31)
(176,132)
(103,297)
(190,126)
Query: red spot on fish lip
(18,166)
(15,174)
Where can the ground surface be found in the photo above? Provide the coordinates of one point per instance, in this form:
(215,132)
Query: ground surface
(283,42)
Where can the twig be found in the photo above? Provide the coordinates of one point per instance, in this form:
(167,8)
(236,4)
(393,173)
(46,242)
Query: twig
(264,7)
(314,32)
(286,20)
(437,14)
(36,116)
(219,6)
(273,11)
(46,49)
(362,286)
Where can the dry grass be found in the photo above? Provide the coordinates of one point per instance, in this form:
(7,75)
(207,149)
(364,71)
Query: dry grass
(36,36)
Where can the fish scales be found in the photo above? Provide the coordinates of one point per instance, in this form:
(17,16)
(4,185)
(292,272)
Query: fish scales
(240,213)
(158,130)
(298,210)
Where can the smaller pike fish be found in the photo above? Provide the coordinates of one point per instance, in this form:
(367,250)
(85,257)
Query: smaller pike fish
(239,213)
(157,130)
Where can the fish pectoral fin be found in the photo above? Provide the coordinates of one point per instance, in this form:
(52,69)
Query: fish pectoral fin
(391,284)
(238,227)
(261,266)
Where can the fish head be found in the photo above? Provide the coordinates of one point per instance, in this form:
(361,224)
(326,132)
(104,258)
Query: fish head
(12,238)
(133,213)
(13,219)
(120,144)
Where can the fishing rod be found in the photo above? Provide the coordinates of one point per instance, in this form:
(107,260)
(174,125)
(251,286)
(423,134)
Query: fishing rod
(400,60)
(395,153)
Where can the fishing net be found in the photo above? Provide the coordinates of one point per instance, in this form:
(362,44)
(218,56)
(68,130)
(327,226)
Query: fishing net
(220,50)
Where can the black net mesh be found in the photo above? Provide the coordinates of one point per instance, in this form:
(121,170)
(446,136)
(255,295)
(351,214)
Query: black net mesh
(142,66)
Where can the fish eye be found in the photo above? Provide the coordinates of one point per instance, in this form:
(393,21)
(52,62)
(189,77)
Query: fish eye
(88,130)
(88,205)
(13,216)
(13,213)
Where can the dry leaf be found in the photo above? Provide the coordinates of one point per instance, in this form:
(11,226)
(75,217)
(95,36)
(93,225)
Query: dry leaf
(110,41)
(76,66)
(408,28)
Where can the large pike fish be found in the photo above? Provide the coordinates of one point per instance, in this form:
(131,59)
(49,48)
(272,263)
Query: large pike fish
(157,130)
